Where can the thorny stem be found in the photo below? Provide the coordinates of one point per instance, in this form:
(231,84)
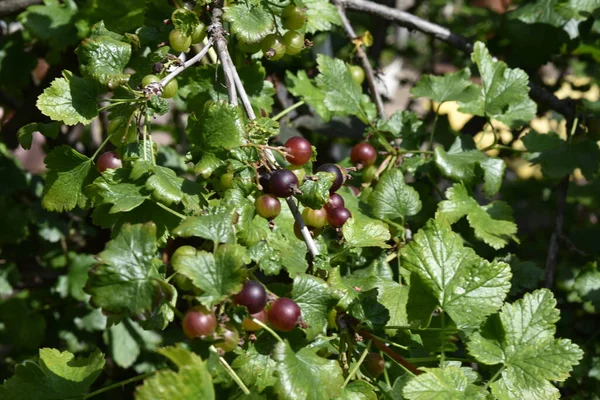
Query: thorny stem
(218,35)
(363,58)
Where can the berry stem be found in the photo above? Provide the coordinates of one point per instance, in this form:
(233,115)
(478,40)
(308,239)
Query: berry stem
(410,368)
(356,366)
(100,147)
(288,110)
(161,205)
(230,371)
(268,329)
(118,384)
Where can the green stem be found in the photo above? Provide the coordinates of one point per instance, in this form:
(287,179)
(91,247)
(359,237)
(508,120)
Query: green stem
(178,313)
(161,205)
(268,329)
(428,359)
(288,110)
(430,145)
(435,186)
(487,385)
(386,376)
(100,147)
(415,152)
(151,144)
(573,128)
(389,342)
(443,354)
(119,384)
(145,133)
(356,366)
(412,329)
(231,372)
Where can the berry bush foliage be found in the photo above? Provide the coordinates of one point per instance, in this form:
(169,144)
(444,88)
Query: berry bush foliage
(227,210)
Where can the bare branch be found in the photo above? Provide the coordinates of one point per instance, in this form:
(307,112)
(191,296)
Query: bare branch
(363,58)
(218,35)
(188,63)
(236,82)
(10,6)
(539,94)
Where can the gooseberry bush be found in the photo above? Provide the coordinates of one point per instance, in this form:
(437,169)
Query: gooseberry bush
(228,210)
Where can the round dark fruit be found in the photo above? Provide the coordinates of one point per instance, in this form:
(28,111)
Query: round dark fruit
(250,326)
(294,42)
(363,153)
(314,218)
(338,216)
(108,160)
(292,18)
(335,201)
(284,314)
(157,67)
(374,364)
(178,41)
(267,206)
(358,74)
(230,340)
(273,47)
(282,183)
(199,33)
(354,189)
(264,177)
(299,150)
(339,176)
(253,296)
(199,322)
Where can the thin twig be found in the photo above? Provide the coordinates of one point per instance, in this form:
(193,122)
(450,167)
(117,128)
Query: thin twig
(218,35)
(390,353)
(363,58)
(188,63)
(565,107)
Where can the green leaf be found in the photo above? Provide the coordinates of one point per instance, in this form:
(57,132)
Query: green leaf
(302,86)
(450,383)
(315,300)
(219,275)
(190,382)
(73,283)
(450,87)
(69,173)
(114,187)
(127,282)
(255,368)
(23,327)
(25,134)
(343,96)
(392,198)
(185,21)
(180,355)
(217,227)
(102,57)
(127,339)
(368,310)
(504,92)
(306,376)
(218,128)
(52,22)
(366,233)
(71,100)
(315,191)
(521,339)
(466,286)
(117,18)
(262,129)
(358,390)
(251,23)
(559,158)
(165,185)
(321,15)
(56,376)
(462,162)
(493,223)
(587,285)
